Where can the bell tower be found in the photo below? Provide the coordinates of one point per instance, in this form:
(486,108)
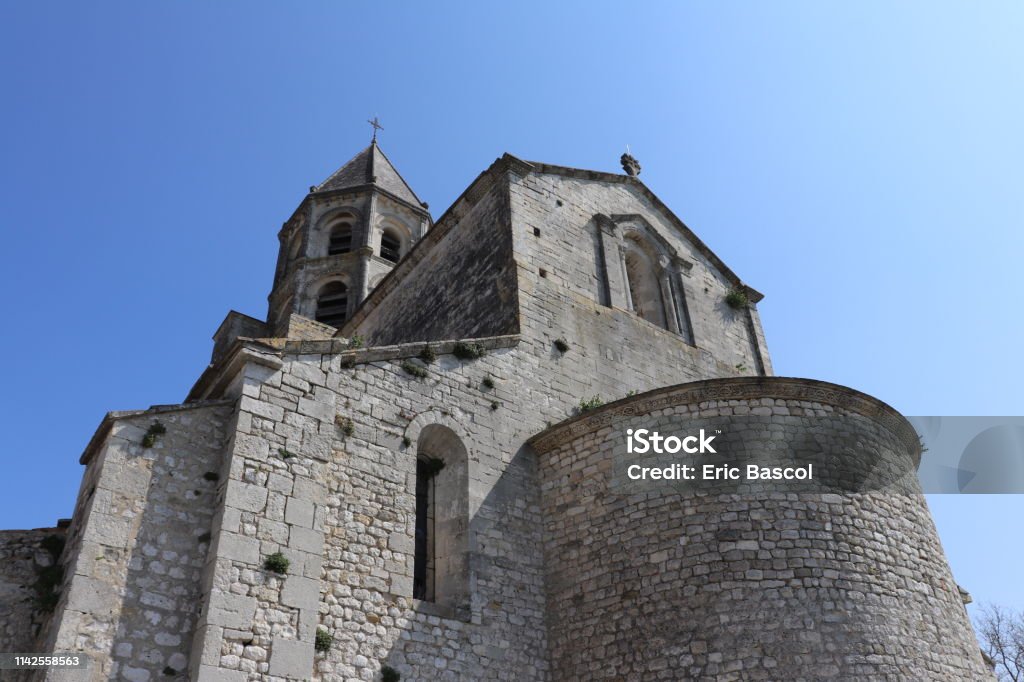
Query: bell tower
(345,236)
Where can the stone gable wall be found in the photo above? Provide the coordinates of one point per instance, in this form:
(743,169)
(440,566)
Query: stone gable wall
(568,299)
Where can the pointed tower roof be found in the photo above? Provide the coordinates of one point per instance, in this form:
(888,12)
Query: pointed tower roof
(370,167)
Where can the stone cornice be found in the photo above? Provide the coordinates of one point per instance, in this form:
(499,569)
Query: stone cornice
(735,388)
(270,352)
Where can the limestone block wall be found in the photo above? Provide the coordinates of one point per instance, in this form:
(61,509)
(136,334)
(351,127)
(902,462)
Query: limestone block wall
(24,556)
(555,230)
(255,622)
(461,284)
(716,583)
(137,542)
(340,508)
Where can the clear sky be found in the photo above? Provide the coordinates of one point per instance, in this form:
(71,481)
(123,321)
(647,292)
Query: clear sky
(860,164)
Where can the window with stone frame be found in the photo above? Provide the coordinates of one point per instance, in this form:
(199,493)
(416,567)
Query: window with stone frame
(441,546)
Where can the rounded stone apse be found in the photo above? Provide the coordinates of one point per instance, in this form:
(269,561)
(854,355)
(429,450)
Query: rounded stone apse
(728,577)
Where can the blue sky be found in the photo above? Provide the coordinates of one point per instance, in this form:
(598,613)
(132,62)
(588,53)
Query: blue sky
(860,164)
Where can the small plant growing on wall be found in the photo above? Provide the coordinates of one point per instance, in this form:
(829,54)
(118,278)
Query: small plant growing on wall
(323,640)
(737,299)
(432,466)
(488,382)
(285,454)
(468,351)
(428,354)
(345,424)
(389,674)
(495,405)
(562,345)
(155,429)
(406,441)
(356,342)
(276,562)
(591,404)
(412,369)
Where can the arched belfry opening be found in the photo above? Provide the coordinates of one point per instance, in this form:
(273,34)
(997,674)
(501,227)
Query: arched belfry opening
(332,304)
(390,245)
(340,240)
(441,561)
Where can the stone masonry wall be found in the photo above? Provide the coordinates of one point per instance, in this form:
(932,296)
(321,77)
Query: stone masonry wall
(23,559)
(343,416)
(715,583)
(138,540)
(464,288)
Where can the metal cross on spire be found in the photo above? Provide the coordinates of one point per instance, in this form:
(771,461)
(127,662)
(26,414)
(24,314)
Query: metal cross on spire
(376,126)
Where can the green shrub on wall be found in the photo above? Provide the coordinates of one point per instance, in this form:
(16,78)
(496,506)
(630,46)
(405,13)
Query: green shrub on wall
(737,299)
(323,640)
(276,562)
(468,351)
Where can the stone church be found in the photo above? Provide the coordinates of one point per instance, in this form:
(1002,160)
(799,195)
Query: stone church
(403,472)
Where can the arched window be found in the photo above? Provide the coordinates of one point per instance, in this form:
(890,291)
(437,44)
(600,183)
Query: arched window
(341,239)
(390,246)
(644,289)
(441,561)
(332,304)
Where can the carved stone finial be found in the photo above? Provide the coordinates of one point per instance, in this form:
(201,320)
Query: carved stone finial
(630,164)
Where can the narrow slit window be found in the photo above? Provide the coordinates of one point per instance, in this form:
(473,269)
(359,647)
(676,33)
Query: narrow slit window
(423,566)
(440,566)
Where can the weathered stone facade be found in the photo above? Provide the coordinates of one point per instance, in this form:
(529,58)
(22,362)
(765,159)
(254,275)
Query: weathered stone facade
(285,497)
